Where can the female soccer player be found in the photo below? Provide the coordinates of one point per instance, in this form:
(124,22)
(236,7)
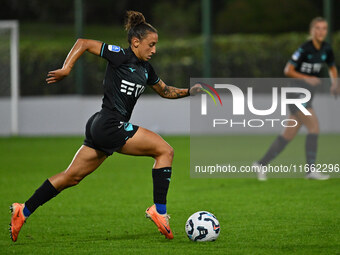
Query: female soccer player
(305,64)
(108,131)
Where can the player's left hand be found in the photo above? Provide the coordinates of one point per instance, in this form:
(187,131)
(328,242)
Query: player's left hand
(194,90)
(57,75)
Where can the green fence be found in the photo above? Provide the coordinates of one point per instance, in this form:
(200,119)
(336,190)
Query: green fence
(175,62)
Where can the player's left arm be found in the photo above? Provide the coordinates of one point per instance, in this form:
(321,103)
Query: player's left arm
(172,92)
(333,74)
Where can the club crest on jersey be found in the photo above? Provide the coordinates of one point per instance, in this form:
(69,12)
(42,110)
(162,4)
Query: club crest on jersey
(296,55)
(114,48)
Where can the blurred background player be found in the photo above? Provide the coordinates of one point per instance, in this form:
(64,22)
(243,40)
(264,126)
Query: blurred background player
(305,64)
(107,131)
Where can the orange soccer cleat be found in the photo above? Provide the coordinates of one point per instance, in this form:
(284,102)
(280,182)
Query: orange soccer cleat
(17,221)
(161,221)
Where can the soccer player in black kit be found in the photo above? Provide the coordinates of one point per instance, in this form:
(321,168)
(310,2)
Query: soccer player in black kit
(305,64)
(127,74)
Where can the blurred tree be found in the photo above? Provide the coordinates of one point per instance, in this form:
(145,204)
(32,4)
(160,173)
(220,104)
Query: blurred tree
(37,10)
(62,11)
(265,16)
(178,17)
(108,11)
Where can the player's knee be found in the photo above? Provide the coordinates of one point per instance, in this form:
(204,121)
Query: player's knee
(76,180)
(72,180)
(166,152)
(171,152)
(288,137)
(314,129)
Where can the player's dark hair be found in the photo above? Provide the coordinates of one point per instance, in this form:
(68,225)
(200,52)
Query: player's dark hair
(136,25)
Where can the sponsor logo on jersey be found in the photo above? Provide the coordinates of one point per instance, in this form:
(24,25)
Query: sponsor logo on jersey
(310,68)
(130,88)
(132,69)
(113,48)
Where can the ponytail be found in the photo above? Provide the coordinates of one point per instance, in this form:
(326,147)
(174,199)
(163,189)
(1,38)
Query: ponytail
(136,26)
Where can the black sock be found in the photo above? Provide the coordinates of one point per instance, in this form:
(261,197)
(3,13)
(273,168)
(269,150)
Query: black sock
(277,146)
(44,193)
(161,180)
(311,148)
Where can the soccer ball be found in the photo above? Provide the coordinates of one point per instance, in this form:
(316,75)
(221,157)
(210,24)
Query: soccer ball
(202,226)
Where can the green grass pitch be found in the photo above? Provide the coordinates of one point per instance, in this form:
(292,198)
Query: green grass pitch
(105,213)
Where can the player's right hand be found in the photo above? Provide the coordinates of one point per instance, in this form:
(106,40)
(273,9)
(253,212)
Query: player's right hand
(56,75)
(335,90)
(313,81)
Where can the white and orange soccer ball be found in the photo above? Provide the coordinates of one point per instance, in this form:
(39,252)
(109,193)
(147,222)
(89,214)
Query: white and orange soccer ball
(202,226)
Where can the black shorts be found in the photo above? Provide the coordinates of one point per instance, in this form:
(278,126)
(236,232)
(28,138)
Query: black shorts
(292,107)
(300,84)
(107,131)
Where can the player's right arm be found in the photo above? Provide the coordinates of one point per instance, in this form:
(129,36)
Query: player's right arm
(290,69)
(290,72)
(77,50)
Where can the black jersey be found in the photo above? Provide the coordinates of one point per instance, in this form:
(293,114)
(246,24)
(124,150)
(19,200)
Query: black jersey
(308,60)
(125,79)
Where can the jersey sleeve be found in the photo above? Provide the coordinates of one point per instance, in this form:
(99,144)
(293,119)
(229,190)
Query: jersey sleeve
(114,54)
(152,76)
(297,57)
(330,57)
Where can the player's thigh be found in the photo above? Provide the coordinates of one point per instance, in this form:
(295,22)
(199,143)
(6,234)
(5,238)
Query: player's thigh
(310,121)
(293,127)
(146,143)
(85,161)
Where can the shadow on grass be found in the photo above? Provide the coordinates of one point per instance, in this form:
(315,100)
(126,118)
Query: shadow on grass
(28,240)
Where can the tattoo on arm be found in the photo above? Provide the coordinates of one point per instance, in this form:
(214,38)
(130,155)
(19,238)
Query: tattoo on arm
(170,92)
